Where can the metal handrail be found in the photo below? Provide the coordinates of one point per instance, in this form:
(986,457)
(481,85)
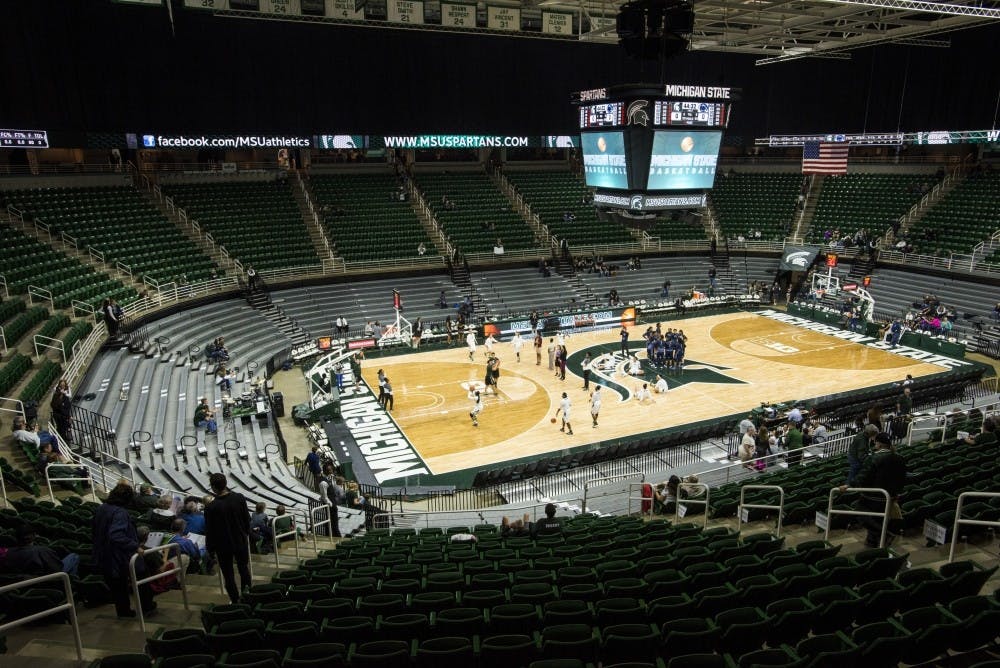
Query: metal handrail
(276,537)
(606,479)
(423,518)
(760,506)
(3,493)
(831,511)
(316,524)
(69,606)
(959,520)
(177,570)
(692,485)
(49,479)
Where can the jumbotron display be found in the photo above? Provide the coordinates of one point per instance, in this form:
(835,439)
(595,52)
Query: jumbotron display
(648,147)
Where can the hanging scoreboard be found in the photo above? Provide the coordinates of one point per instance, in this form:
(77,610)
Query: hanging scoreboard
(649,147)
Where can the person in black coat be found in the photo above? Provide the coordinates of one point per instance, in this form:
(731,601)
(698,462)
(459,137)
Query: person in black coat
(227,531)
(115,542)
(62,410)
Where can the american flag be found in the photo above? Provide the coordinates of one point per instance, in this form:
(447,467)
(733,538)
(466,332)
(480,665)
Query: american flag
(824,158)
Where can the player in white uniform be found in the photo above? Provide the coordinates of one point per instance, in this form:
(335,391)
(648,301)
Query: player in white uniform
(517,342)
(477,407)
(595,404)
(661,385)
(470,340)
(643,393)
(489,344)
(564,407)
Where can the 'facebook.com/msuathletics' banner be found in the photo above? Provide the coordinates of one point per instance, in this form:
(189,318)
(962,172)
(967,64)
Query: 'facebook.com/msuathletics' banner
(583,320)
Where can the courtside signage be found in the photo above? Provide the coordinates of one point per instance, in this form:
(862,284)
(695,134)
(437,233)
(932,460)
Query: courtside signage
(384,447)
(871,342)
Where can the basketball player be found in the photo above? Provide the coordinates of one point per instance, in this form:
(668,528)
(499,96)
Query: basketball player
(517,342)
(595,404)
(661,385)
(538,348)
(489,345)
(477,407)
(492,363)
(643,394)
(470,340)
(624,337)
(388,402)
(564,407)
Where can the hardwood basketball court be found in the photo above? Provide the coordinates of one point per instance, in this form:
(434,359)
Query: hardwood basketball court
(735,361)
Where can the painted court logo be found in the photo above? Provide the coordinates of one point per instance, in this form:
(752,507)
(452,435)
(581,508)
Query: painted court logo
(608,367)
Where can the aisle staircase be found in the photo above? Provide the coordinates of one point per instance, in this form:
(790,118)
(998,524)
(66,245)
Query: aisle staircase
(808,213)
(261,301)
(303,199)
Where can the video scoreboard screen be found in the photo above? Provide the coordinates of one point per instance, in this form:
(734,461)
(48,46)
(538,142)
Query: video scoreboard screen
(602,115)
(24,138)
(683,160)
(604,159)
(690,113)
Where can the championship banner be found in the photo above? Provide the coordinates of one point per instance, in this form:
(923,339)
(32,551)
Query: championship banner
(798,258)
(611,317)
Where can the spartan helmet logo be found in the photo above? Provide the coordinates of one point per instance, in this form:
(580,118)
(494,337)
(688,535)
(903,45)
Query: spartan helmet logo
(798,258)
(635,203)
(637,114)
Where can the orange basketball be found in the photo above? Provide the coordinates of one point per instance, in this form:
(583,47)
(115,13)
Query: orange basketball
(553,420)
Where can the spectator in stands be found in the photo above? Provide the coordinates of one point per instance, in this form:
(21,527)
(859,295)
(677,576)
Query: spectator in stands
(156,562)
(353,497)
(904,404)
(162,516)
(182,538)
(253,280)
(62,410)
(193,516)
(665,496)
(313,459)
(517,528)
(858,451)
(30,559)
(205,417)
(227,525)
(30,434)
(224,379)
(146,499)
(874,416)
(793,444)
(549,524)
(334,495)
(421,249)
(748,445)
(987,435)
(115,541)
(443,300)
(883,469)
(260,528)
(110,318)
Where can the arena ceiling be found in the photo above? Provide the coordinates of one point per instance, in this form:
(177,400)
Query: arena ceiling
(779,30)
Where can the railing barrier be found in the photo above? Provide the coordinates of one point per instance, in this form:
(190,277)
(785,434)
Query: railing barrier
(177,570)
(276,537)
(69,606)
(41,294)
(760,506)
(315,524)
(831,511)
(60,465)
(606,479)
(960,521)
(681,509)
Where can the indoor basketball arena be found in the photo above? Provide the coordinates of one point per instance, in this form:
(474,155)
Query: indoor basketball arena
(411,334)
